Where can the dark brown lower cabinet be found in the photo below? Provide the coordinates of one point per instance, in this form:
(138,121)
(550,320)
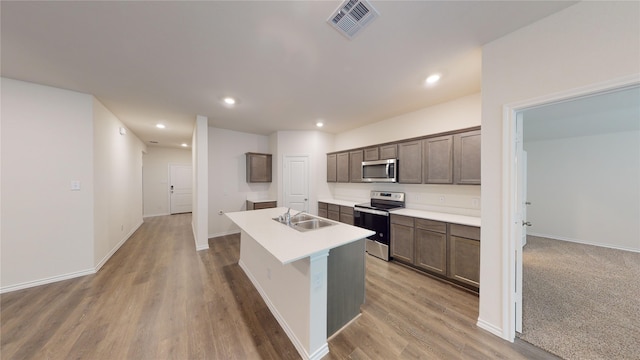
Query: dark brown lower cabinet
(464,254)
(402,241)
(346,215)
(322,209)
(257,205)
(333,212)
(343,214)
(431,251)
(449,251)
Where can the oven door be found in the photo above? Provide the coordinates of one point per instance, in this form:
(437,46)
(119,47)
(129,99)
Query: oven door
(378,221)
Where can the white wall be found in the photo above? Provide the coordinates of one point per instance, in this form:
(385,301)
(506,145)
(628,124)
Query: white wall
(586,189)
(47,229)
(51,137)
(585,44)
(117,168)
(155,176)
(313,144)
(227,176)
(457,114)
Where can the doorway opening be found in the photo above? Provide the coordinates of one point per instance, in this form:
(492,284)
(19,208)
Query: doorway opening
(516,120)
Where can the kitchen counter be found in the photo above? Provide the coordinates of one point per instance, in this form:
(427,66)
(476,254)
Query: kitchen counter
(301,275)
(422,214)
(439,216)
(287,244)
(341,202)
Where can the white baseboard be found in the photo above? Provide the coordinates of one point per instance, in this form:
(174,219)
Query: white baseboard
(318,354)
(45,281)
(578,241)
(490,328)
(74,274)
(118,245)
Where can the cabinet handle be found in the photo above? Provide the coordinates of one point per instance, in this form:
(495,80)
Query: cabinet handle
(526,223)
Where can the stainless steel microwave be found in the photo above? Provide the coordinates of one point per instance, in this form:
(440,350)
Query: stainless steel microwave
(380,171)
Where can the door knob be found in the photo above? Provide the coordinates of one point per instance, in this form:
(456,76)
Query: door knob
(526,223)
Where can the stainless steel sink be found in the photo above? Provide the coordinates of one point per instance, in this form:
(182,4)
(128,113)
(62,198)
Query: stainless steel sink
(306,222)
(312,224)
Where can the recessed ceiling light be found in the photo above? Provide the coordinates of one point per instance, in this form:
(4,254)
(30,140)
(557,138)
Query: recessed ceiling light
(432,79)
(160,126)
(184,145)
(229,100)
(319,124)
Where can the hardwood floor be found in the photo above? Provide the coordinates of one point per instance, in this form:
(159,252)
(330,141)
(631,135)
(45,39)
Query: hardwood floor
(157,298)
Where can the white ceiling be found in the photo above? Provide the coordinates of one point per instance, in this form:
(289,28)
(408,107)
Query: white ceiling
(151,62)
(608,112)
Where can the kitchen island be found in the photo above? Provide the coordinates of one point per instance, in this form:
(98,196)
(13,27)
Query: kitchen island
(312,281)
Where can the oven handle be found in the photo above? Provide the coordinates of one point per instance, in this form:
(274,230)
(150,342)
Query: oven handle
(371,211)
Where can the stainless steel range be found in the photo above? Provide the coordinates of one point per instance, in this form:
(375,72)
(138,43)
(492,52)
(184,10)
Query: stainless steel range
(374,216)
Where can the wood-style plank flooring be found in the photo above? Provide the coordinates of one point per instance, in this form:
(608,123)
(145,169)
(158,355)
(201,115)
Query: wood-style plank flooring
(157,298)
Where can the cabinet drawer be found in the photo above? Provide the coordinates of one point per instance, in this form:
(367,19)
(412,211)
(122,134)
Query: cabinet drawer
(264,205)
(333,215)
(322,205)
(333,207)
(402,220)
(346,210)
(469,232)
(432,225)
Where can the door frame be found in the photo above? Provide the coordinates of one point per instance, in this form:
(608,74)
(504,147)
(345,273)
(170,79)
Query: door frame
(510,241)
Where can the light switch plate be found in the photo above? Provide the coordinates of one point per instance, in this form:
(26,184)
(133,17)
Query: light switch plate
(75,185)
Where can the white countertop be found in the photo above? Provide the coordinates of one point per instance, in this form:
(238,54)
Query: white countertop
(438,216)
(287,244)
(341,202)
(422,214)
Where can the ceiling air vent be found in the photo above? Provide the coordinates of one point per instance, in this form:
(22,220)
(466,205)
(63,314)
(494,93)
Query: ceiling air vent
(352,16)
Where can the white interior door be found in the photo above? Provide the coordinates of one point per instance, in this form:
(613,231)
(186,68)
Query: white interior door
(180,188)
(296,182)
(520,211)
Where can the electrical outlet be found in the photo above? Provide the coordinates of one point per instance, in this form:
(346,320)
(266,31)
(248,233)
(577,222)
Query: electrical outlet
(441,199)
(475,202)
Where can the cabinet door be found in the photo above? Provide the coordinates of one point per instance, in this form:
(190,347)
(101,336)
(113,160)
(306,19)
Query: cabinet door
(402,242)
(355,161)
(464,260)
(258,167)
(466,158)
(322,209)
(333,212)
(431,251)
(342,167)
(331,167)
(438,160)
(371,154)
(410,162)
(388,152)
(346,215)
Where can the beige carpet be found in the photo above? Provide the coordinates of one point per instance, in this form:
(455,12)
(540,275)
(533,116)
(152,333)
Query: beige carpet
(581,301)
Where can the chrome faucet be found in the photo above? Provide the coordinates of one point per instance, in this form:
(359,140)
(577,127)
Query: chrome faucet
(286,217)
